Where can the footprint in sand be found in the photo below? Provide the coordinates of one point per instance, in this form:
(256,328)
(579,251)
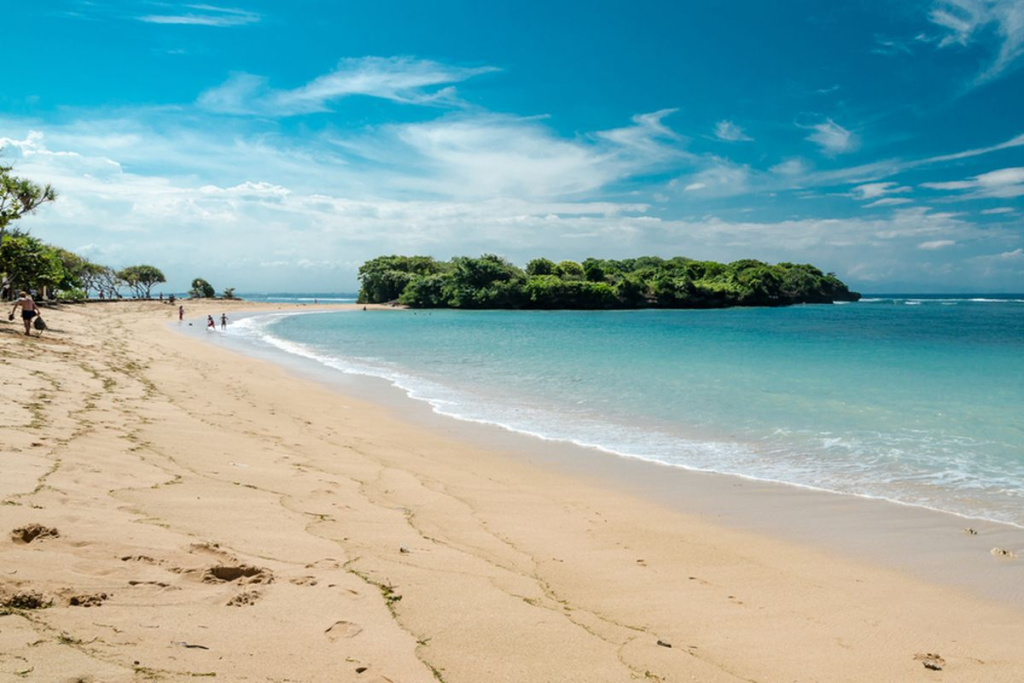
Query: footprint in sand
(343,629)
(30,532)
(87,600)
(248,598)
(931,661)
(242,573)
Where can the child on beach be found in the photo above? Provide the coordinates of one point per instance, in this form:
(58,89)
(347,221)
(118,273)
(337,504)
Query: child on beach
(181,313)
(210,325)
(223,321)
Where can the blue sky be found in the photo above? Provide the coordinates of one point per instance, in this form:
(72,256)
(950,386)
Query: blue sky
(276,146)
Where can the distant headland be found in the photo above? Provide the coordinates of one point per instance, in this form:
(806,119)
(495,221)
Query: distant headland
(645,282)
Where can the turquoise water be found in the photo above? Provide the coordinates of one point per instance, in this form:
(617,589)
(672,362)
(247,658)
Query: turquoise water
(300,297)
(916,400)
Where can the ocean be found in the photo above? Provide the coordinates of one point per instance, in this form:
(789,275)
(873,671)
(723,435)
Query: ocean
(913,399)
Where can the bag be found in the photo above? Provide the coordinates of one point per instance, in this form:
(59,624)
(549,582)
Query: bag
(38,323)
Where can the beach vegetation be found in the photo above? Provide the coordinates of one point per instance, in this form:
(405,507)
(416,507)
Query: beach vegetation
(19,197)
(490,281)
(384,278)
(201,289)
(228,293)
(140,279)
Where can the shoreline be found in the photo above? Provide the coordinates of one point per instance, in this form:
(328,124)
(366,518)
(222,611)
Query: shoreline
(383,549)
(929,543)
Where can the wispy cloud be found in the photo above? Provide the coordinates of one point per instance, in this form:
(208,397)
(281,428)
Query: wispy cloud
(259,204)
(876,190)
(833,138)
(399,79)
(888,201)
(730,132)
(493,155)
(204,15)
(890,46)
(968,21)
(936,244)
(1004,183)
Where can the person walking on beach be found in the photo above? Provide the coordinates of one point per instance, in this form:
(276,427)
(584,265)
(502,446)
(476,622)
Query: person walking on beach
(181,313)
(223,321)
(29,310)
(210,325)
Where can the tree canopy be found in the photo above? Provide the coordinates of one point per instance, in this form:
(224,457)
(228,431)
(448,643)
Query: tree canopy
(19,196)
(645,282)
(201,289)
(141,279)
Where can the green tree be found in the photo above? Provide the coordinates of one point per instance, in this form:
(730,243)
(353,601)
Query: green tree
(30,263)
(142,278)
(201,289)
(569,270)
(384,278)
(540,266)
(19,197)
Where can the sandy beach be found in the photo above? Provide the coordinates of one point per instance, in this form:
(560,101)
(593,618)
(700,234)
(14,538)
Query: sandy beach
(170,510)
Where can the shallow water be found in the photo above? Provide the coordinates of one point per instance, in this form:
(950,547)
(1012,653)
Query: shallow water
(913,399)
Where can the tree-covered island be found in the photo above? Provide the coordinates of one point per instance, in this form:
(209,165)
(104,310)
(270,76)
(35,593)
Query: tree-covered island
(645,282)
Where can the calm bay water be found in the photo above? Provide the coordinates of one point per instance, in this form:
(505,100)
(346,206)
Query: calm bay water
(916,400)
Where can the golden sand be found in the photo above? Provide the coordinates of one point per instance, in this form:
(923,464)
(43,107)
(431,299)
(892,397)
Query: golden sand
(201,513)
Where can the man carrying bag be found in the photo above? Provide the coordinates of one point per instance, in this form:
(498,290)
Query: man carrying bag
(29,310)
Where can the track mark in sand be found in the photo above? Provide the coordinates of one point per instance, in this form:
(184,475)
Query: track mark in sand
(930,661)
(246,599)
(145,559)
(24,600)
(343,629)
(243,574)
(30,532)
(88,600)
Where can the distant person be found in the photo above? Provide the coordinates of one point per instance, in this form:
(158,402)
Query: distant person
(223,321)
(172,299)
(210,325)
(181,313)
(29,310)
(101,294)
(161,296)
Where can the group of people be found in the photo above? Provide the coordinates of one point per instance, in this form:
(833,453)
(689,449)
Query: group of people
(211,324)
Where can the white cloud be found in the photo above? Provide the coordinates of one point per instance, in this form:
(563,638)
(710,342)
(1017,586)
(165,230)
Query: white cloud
(998,211)
(466,184)
(398,79)
(647,135)
(876,190)
(969,21)
(833,138)
(936,244)
(1004,183)
(719,178)
(888,201)
(730,132)
(791,167)
(204,15)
